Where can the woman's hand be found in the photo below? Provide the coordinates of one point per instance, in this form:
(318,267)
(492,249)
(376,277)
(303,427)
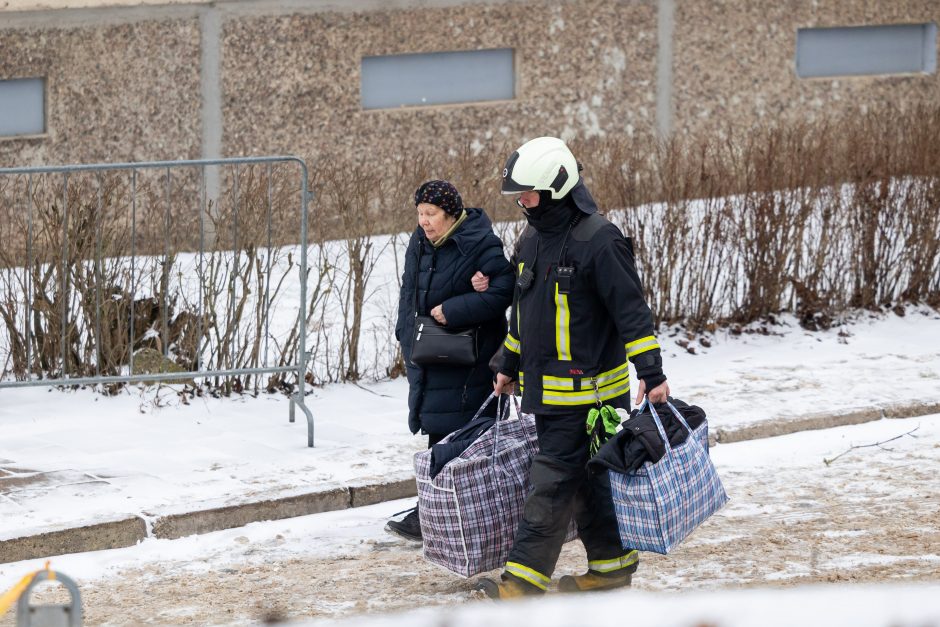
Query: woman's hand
(480,281)
(438,314)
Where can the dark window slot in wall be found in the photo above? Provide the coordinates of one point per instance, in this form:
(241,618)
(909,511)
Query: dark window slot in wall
(436,78)
(22,107)
(866,50)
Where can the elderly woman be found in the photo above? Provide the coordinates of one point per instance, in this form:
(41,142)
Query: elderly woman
(456,272)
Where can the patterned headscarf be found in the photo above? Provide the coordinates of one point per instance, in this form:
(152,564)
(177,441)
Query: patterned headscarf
(442,194)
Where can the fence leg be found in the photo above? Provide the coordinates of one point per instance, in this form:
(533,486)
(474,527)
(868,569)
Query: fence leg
(299,402)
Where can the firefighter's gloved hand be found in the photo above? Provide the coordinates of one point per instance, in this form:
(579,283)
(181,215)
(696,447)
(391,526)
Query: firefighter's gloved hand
(659,394)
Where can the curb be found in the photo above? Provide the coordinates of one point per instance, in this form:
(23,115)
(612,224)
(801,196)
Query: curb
(132,529)
(173,526)
(98,536)
(129,531)
(813,422)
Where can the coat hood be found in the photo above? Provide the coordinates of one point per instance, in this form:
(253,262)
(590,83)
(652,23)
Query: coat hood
(471,232)
(582,198)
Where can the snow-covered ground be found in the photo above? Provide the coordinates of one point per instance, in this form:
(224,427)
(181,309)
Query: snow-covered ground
(146,452)
(793,521)
(801,542)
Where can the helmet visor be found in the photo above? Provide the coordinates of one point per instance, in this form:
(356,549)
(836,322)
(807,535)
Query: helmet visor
(510,185)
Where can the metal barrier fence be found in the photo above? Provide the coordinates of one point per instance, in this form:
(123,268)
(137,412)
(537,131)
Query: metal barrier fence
(154,272)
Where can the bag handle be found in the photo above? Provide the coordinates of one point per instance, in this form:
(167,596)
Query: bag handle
(502,414)
(659,425)
(515,400)
(486,402)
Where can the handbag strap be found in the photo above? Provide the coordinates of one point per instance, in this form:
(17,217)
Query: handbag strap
(418,275)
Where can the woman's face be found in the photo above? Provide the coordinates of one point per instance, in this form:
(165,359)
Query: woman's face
(434,220)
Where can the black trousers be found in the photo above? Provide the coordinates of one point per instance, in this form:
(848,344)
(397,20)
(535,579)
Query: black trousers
(562,488)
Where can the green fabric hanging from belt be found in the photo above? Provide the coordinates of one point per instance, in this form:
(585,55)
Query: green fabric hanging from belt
(602,423)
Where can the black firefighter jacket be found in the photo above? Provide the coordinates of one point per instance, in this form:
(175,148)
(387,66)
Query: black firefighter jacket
(573,328)
(442,399)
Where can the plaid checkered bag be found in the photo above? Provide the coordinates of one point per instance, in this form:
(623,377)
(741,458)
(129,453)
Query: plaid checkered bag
(469,512)
(660,504)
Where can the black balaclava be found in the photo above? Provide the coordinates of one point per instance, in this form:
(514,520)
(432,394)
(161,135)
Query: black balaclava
(551,215)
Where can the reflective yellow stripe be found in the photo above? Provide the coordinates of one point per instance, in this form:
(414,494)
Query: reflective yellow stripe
(525,573)
(521,381)
(518,307)
(562,320)
(512,344)
(557,383)
(610,376)
(586,396)
(641,345)
(609,566)
(565,384)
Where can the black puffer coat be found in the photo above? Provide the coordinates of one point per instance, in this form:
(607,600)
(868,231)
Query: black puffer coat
(442,399)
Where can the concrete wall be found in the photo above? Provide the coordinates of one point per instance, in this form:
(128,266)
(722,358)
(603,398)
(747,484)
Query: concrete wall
(124,90)
(583,69)
(282,76)
(734,61)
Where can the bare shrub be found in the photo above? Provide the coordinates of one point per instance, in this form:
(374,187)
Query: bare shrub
(805,218)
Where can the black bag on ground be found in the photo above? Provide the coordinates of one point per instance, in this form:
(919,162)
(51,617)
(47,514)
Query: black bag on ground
(437,345)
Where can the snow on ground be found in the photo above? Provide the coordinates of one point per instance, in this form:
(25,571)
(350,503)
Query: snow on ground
(854,542)
(92,457)
(847,606)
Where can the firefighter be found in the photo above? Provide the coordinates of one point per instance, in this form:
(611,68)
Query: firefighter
(578,315)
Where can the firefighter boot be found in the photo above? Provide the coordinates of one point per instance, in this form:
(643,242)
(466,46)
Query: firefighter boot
(593,580)
(509,588)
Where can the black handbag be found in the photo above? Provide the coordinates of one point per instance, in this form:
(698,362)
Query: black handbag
(439,345)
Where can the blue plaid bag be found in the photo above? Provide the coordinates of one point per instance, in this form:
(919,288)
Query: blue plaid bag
(659,505)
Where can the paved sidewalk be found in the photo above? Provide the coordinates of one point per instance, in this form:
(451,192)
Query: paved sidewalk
(80,472)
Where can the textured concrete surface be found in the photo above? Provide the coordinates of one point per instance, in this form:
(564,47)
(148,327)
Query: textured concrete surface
(138,80)
(114,92)
(96,536)
(734,62)
(771,428)
(582,69)
(372,493)
(172,526)
(196,519)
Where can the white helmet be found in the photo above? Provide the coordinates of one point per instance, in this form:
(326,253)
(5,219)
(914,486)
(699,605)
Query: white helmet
(542,164)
